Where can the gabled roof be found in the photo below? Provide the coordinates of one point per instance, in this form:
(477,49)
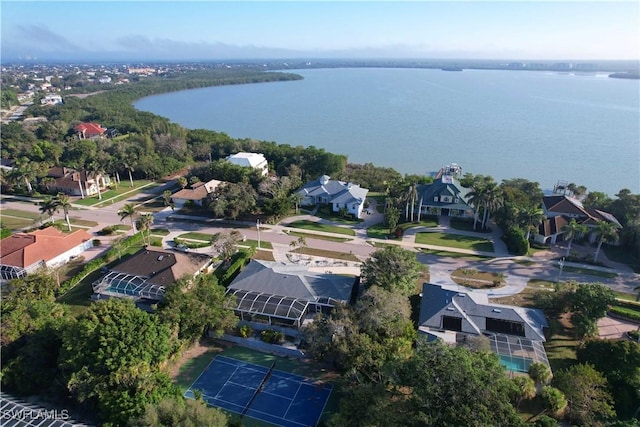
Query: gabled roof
(161,267)
(564,204)
(336,191)
(293,281)
(474,308)
(446,185)
(25,249)
(90,129)
(247,159)
(572,207)
(552,225)
(198,191)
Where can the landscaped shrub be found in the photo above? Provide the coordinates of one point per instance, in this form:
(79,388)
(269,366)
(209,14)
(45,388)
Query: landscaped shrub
(272,337)
(96,242)
(626,312)
(245,331)
(238,261)
(108,230)
(516,241)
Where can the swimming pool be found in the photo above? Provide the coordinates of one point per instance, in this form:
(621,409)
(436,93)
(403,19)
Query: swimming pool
(515,364)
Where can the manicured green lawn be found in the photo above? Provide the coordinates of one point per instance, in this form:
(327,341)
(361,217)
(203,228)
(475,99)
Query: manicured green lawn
(318,236)
(624,256)
(424,222)
(111,196)
(454,241)
(467,225)
(588,271)
(19,213)
(379,231)
(204,237)
(13,223)
(315,226)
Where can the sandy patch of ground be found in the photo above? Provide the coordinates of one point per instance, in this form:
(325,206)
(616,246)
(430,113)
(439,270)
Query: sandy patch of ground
(197,349)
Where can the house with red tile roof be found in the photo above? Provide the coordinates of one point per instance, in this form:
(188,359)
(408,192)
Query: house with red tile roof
(89,130)
(75,183)
(560,209)
(23,253)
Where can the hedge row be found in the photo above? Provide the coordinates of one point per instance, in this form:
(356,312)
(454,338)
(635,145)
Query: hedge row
(625,312)
(99,262)
(516,241)
(240,259)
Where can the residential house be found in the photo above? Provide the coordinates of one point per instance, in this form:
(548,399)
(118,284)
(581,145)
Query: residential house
(287,295)
(145,275)
(197,194)
(338,194)
(51,100)
(89,130)
(250,160)
(23,253)
(445,196)
(75,183)
(515,334)
(560,209)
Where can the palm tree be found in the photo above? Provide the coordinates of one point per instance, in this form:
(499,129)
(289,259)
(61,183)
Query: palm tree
(607,232)
(145,222)
(129,211)
(573,230)
(49,206)
(64,201)
(492,201)
(24,171)
(96,170)
(531,217)
(476,198)
(130,165)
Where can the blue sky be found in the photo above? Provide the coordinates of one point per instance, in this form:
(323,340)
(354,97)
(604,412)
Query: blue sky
(169,30)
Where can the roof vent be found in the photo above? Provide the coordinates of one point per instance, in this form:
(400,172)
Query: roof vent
(497,310)
(160,258)
(462,295)
(451,309)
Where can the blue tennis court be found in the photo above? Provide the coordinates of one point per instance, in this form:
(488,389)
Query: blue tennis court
(283,399)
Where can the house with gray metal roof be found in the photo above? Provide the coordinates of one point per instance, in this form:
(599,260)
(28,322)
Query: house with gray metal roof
(445,196)
(287,294)
(516,334)
(338,194)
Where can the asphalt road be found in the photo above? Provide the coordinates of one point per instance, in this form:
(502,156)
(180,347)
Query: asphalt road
(517,272)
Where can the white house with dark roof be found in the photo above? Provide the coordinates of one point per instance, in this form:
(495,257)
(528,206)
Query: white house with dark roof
(515,333)
(286,295)
(338,194)
(250,160)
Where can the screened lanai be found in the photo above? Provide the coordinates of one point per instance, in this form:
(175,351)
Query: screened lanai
(122,284)
(517,353)
(273,309)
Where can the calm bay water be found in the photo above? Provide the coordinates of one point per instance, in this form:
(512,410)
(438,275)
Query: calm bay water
(541,126)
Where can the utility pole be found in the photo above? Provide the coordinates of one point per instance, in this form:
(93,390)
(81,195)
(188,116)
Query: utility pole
(258,227)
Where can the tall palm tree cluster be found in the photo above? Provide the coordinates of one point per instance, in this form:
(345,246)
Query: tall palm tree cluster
(52,205)
(485,195)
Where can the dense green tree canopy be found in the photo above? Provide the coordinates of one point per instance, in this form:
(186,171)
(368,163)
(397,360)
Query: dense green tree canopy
(619,362)
(392,268)
(111,357)
(179,412)
(197,307)
(587,393)
(438,386)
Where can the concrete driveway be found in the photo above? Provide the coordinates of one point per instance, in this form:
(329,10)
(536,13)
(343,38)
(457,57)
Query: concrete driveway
(610,328)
